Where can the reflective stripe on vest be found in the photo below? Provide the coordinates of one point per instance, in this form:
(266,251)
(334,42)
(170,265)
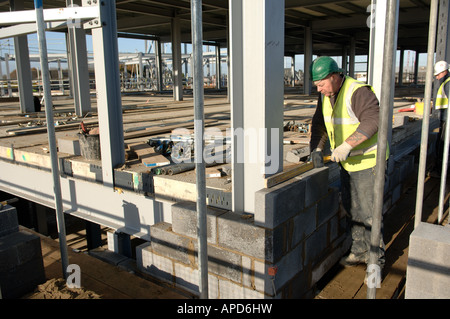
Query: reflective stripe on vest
(441,97)
(341,122)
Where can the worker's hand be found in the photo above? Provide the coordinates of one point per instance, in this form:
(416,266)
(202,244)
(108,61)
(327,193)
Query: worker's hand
(341,152)
(316,157)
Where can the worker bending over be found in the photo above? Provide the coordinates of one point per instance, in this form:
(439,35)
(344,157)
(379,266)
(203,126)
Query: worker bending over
(347,114)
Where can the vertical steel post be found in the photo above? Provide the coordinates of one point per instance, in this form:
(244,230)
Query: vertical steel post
(444,169)
(385,102)
(196,21)
(426,112)
(51,134)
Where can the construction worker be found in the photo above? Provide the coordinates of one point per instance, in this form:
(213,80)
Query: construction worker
(441,74)
(347,115)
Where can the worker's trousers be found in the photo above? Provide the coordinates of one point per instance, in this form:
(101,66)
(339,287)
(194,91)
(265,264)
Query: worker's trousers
(357,191)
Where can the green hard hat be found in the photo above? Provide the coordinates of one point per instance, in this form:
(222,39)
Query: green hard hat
(322,67)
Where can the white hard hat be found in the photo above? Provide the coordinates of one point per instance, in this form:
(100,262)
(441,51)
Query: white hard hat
(440,66)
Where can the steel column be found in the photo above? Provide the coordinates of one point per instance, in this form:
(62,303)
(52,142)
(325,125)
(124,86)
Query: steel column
(426,112)
(383,129)
(109,103)
(51,134)
(199,118)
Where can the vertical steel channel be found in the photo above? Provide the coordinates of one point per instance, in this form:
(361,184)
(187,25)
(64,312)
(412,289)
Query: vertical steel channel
(51,133)
(385,102)
(426,111)
(444,169)
(197,42)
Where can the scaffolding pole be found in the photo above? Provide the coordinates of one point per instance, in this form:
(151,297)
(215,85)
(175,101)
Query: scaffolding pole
(196,20)
(426,112)
(51,134)
(444,170)
(385,102)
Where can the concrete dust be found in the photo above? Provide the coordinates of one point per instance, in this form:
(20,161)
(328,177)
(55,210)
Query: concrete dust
(56,288)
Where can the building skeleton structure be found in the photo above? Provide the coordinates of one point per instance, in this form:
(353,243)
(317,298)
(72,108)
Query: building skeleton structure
(258,33)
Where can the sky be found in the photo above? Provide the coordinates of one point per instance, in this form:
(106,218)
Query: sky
(56,44)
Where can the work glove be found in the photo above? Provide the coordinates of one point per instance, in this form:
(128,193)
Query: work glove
(316,157)
(341,152)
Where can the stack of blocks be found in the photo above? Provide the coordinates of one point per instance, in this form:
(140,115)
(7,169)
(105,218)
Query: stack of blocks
(21,265)
(297,234)
(428,271)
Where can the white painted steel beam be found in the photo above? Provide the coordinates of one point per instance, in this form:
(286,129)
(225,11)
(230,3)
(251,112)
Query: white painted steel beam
(59,14)
(27,28)
(128,211)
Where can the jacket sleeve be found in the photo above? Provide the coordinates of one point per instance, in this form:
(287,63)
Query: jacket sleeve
(366,107)
(318,130)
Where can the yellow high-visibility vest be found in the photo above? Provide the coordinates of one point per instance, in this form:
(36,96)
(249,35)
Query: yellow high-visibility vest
(341,122)
(441,97)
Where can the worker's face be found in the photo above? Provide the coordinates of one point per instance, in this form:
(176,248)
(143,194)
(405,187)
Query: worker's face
(441,75)
(330,85)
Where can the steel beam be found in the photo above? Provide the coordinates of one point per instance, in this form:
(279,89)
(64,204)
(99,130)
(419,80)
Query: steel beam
(127,211)
(59,14)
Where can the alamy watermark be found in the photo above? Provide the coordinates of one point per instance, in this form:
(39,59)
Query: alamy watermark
(74,276)
(373,276)
(261,146)
(371,19)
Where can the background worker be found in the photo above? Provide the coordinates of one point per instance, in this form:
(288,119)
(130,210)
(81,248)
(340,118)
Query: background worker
(347,115)
(441,74)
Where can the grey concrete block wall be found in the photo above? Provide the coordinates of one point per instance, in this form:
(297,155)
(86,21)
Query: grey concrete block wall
(277,204)
(299,229)
(21,265)
(428,269)
(305,232)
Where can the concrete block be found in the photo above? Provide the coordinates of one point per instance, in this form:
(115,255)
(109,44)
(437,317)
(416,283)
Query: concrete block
(8,220)
(287,268)
(327,206)
(185,250)
(184,220)
(167,243)
(237,232)
(21,265)
(428,270)
(225,263)
(295,155)
(316,244)
(316,184)
(341,246)
(188,278)
(230,290)
(18,248)
(69,145)
(304,224)
(153,264)
(275,205)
